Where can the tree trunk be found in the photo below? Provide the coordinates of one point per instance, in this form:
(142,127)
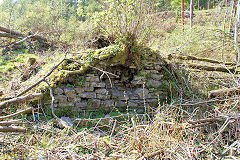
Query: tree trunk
(209,4)
(236,31)
(198,5)
(226,5)
(191,13)
(182,13)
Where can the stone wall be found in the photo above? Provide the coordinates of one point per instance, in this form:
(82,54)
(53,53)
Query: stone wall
(132,88)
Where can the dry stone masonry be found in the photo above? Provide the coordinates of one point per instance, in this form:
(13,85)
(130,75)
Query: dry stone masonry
(133,88)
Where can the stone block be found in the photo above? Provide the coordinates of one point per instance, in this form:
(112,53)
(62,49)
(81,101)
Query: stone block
(140,92)
(65,104)
(92,79)
(98,85)
(74,99)
(79,89)
(87,95)
(58,91)
(89,89)
(120,104)
(153,83)
(156,76)
(107,103)
(95,103)
(60,98)
(101,91)
(81,104)
(103,96)
(132,103)
(69,92)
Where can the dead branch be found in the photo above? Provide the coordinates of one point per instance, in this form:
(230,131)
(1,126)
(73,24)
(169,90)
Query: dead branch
(12,129)
(224,92)
(208,120)
(17,113)
(10,122)
(188,57)
(214,68)
(19,100)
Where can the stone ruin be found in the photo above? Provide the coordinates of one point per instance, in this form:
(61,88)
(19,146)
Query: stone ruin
(133,89)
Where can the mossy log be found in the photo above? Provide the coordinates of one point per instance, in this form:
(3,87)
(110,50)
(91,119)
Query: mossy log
(187,57)
(222,93)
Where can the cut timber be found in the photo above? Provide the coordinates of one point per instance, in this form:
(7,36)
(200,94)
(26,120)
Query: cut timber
(17,113)
(214,68)
(224,92)
(10,122)
(19,100)
(12,129)
(187,57)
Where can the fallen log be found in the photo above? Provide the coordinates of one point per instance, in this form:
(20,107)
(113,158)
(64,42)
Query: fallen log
(10,122)
(8,35)
(228,92)
(188,57)
(17,113)
(18,34)
(214,68)
(12,129)
(19,100)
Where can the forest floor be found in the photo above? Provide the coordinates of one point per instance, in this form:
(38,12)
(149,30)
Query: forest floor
(191,127)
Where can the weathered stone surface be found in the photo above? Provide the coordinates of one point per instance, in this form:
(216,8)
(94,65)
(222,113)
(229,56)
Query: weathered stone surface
(81,105)
(107,103)
(92,79)
(101,91)
(140,93)
(158,67)
(153,83)
(95,103)
(138,80)
(98,85)
(88,87)
(151,72)
(140,110)
(120,104)
(103,96)
(157,76)
(60,98)
(79,89)
(58,91)
(74,99)
(66,104)
(132,103)
(87,95)
(116,93)
(67,120)
(69,92)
